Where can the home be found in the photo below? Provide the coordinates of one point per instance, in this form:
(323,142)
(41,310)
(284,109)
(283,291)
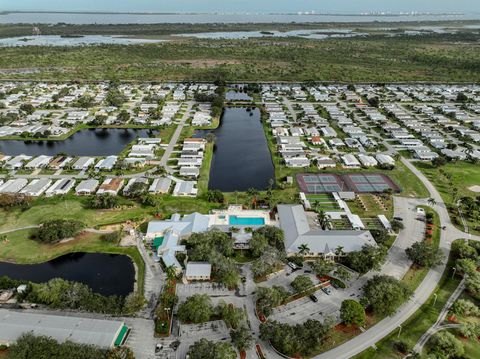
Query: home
(350,161)
(325,162)
(60,187)
(160,185)
(142,181)
(39,162)
(185,189)
(198,271)
(60,162)
(13,186)
(87,187)
(367,161)
(193,172)
(17,162)
(107,163)
(297,162)
(83,163)
(110,186)
(147,151)
(36,187)
(385,159)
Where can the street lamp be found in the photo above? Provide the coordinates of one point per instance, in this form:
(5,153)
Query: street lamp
(399,331)
(454,270)
(435,299)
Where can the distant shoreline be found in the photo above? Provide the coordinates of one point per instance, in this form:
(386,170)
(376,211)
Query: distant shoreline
(380,14)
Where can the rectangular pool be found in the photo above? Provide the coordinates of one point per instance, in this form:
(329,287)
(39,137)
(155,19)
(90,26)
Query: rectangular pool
(246,221)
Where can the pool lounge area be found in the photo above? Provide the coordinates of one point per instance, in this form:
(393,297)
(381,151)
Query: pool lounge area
(235,215)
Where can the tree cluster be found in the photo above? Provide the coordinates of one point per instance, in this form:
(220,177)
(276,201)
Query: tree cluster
(384,294)
(55,230)
(299,340)
(206,349)
(369,258)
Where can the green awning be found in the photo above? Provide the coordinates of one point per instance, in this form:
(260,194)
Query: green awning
(121,336)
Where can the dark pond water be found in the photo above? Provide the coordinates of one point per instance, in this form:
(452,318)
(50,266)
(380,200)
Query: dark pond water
(241,158)
(89,142)
(107,274)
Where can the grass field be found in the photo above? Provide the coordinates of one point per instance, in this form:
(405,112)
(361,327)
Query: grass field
(71,207)
(21,249)
(463,175)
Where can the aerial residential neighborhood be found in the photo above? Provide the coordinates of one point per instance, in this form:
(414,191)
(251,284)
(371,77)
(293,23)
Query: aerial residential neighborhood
(248,180)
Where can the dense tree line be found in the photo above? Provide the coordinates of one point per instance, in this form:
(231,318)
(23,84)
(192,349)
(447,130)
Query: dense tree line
(384,294)
(104,201)
(206,349)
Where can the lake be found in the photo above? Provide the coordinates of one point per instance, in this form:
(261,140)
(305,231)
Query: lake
(107,274)
(55,40)
(87,142)
(241,159)
(316,34)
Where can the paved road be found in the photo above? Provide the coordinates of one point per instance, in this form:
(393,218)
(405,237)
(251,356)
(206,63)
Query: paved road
(175,137)
(421,294)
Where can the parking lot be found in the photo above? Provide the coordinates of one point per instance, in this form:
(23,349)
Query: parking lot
(212,289)
(301,310)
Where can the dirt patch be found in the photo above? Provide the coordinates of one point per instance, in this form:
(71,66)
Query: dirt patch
(475,188)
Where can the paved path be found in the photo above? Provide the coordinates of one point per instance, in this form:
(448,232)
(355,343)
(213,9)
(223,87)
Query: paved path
(437,326)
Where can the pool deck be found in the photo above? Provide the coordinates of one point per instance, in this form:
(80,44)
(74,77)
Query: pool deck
(222,217)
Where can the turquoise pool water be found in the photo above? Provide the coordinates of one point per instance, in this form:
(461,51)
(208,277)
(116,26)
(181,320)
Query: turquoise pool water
(246,221)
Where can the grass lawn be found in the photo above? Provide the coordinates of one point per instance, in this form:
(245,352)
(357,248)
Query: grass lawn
(373,208)
(205,169)
(71,207)
(463,175)
(21,249)
(458,175)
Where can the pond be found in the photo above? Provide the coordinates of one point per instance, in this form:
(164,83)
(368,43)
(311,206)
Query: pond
(88,142)
(318,34)
(241,159)
(107,274)
(55,40)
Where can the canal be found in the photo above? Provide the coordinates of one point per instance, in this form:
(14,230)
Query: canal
(88,142)
(107,274)
(241,158)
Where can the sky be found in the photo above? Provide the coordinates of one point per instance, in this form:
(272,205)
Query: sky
(278,6)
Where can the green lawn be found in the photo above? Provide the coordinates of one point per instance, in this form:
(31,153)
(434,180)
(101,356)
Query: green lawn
(463,175)
(205,169)
(19,248)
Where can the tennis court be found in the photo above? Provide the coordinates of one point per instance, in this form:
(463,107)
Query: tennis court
(357,182)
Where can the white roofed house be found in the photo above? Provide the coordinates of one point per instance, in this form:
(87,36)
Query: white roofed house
(147,151)
(107,163)
(185,189)
(17,161)
(160,185)
(39,162)
(36,187)
(367,161)
(83,163)
(87,187)
(385,159)
(350,161)
(297,162)
(13,186)
(61,186)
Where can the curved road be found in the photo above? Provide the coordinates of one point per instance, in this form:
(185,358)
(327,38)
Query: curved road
(421,294)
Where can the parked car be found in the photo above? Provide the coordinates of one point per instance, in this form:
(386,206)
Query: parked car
(292,265)
(313,298)
(398,218)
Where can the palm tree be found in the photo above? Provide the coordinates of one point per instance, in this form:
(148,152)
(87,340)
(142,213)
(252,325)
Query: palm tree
(339,252)
(431,202)
(171,272)
(323,219)
(303,249)
(253,193)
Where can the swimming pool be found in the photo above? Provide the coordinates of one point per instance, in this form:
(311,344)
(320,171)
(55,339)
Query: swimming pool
(246,221)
